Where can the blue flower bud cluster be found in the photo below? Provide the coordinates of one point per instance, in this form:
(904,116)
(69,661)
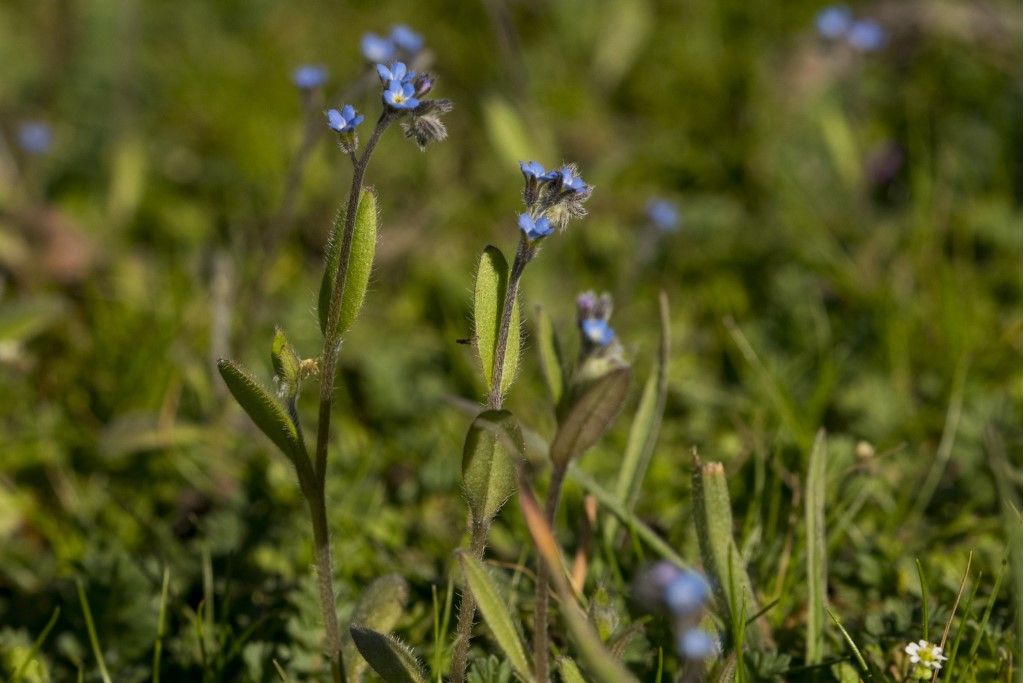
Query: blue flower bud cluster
(552,198)
(309,76)
(663,214)
(401,42)
(836,22)
(683,595)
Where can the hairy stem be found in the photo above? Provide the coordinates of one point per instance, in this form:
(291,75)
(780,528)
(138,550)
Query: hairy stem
(325,584)
(540,618)
(467,608)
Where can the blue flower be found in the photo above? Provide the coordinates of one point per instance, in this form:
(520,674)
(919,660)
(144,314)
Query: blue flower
(686,594)
(309,76)
(35,137)
(395,72)
(345,120)
(833,21)
(866,35)
(598,331)
(697,644)
(399,95)
(377,49)
(532,170)
(406,39)
(534,229)
(570,181)
(663,214)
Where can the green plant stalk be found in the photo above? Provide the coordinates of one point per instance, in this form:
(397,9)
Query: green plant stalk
(540,626)
(316,497)
(479,530)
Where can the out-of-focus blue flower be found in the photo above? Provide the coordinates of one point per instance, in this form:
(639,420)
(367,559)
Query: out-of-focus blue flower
(534,229)
(309,76)
(866,35)
(406,39)
(532,169)
(663,214)
(570,181)
(395,72)
(345,120)
(399,95)
(686,594)
(35,137)
(599,332)
(697,644)
(377,48)
(833,21)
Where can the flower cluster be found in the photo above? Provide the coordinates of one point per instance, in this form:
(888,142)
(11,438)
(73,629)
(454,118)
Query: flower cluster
(551,198)
(663,214)
(682,594)
(402,41)
(836,22)
(403,93)
(309,77)
(926,659)
(600,349)
(35,137)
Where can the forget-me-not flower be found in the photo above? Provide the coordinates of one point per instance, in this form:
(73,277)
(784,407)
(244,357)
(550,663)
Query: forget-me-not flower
(406,39)
(534,229)
(35,137)
(309,76)
(598,332)
(696,643)
(833,21)
(344,121)
(663,214)
(687,593)
(377,48)
(570,179)
(532,169)
(395,72)
(400,95)
(866,35)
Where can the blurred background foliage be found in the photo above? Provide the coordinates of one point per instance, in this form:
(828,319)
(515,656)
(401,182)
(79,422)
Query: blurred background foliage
(847,255)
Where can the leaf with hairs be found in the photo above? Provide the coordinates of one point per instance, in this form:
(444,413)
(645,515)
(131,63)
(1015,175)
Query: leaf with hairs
(357,279)
(489,297)
(590,415)
(263,408)
(493,447)
(379,608)
(496,614)
(392,659)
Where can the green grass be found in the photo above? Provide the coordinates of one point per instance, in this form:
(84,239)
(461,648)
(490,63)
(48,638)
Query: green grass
(807,292)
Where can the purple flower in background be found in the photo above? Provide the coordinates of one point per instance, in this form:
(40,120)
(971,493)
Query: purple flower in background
(345,120)
(866,35)
(406,39)
(399,95)
(309,76)
(663,214)
(377,48)
(534,229)
(697,644)
(35,137)
(833,21)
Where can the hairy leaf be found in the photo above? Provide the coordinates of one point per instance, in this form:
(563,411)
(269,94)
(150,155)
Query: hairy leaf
(496,614)
(488,464)
(590,415)
(364,245)
(489,296)
(379,608)
(392,659)
(263,408)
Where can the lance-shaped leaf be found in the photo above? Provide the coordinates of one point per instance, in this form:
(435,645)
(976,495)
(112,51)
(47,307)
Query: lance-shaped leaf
(590,415)
(495,614)
(379,608)
(286,362)
(494,446)
(722,560)
(364,245)
(569,671)
(392,659)
(817,571)
(263,408)
(550,355)
(489,297)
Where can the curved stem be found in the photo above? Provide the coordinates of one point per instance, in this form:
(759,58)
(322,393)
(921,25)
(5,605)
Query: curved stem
(540,619)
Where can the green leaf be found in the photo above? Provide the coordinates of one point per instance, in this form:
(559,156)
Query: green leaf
(24,318)
(590,415)
(364,245)
(550,355)
(379,608)
(496,614)
(643,434)
(489,297)
(285,360)
(392,659)
(569,671)
(817,571)
(722,560)
(263,408)
(493,447)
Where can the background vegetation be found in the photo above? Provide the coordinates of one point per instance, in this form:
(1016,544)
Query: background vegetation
(848,257)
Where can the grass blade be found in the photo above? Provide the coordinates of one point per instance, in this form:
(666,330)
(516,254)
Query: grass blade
(496,614)
(853,646)
(817,570)
(94,640)
(161,623)
(36,646)
(550,356)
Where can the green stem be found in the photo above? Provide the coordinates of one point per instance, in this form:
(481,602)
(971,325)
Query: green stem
(467,608)
(540,625)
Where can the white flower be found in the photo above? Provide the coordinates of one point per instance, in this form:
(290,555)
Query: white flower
(923,653)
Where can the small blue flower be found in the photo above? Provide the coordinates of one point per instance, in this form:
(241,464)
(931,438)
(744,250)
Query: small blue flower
(35,137)
(406,39)
(663,214)
(570,181)
(534,229)
(399,95)
(345,120)
(395,72)
(598,332)
(309,76)
(697,644)
(686,594)
(377,49)
(866,35)
(532,170)
(833,21)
